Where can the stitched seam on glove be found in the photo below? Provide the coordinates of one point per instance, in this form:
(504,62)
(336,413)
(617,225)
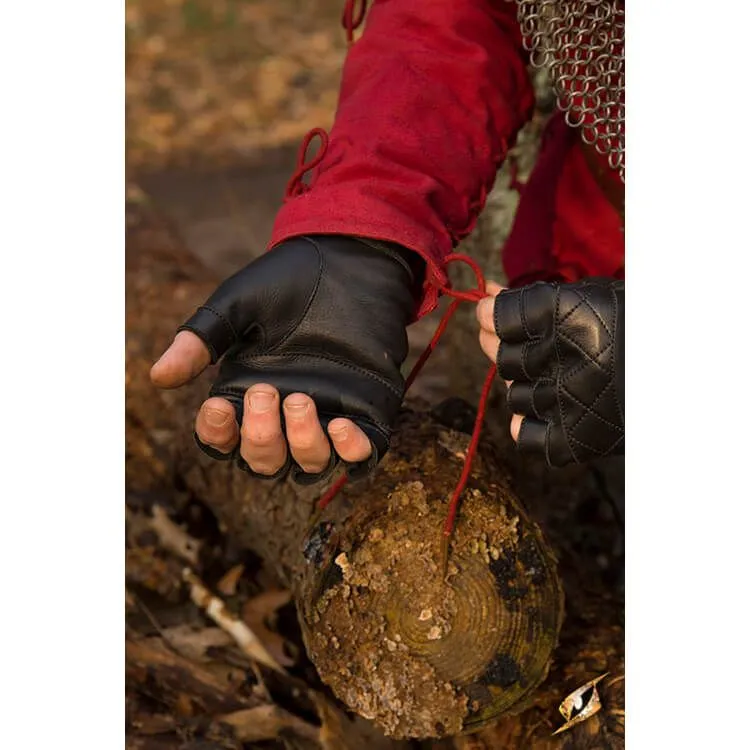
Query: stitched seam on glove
(589,409)
(533,400)
(304,353)
(310,299)
(588,359)
(524,351)
(537,384)
(227,323)
(547,441)
(558,379)
(390,252)
(584,300)
(524,321)
(517,295)
(599,452)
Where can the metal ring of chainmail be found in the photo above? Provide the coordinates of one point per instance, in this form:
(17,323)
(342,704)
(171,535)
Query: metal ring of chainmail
(581,44)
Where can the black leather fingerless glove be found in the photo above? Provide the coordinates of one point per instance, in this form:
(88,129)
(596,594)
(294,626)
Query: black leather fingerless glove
(321,315)
(563,346)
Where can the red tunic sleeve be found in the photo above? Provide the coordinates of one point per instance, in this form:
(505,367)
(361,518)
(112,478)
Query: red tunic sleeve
(432,95)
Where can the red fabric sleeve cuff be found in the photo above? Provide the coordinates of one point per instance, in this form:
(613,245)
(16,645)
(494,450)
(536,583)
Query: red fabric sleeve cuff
(296,219)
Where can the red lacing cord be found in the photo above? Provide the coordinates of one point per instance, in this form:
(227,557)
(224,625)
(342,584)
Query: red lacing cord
(348,19)
(296,186)
(471,295)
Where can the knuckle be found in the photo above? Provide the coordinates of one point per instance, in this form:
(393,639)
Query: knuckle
(263,437)
(263,467)
(356,453)
(307,441)
(263,462)
(216,437)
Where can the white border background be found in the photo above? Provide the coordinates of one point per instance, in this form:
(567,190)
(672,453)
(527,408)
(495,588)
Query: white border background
(62,312)
(62,281)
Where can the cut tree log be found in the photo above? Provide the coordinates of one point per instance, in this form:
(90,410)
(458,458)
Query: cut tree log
(420,655)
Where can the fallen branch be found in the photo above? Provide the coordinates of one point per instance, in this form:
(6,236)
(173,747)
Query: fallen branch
(217,610)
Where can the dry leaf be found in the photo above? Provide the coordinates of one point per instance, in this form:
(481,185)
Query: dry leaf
(581,704)
(259,612)
(174,538)
(194,644)
(228,583)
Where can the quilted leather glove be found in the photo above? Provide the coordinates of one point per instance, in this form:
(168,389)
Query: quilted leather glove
(563,346)
(321,315)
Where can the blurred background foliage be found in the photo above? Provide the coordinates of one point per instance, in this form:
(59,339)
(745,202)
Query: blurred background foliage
(217,80)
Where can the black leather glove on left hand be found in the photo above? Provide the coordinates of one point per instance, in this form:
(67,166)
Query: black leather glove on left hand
(563,346)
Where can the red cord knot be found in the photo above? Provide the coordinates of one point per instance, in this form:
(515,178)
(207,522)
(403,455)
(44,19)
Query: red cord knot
(296,185)
(458,296)
(349,20)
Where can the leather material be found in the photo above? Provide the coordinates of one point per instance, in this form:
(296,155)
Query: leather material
(563,346)
(322,315)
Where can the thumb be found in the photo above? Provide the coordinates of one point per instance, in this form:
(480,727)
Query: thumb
(493,288)
(187,357)
(486,307)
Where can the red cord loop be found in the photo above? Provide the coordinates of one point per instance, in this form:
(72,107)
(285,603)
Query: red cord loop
(469,295)
(296,185)
(349,21)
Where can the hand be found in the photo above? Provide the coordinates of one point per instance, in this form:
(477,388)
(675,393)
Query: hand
(561,350)
(313,335)
(490,342)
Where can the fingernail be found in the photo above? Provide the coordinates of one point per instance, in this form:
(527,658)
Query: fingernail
(296,409)
(216,417)
(340,431)
(261,402)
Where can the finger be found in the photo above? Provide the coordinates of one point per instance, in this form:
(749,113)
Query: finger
(485,309)
(262,442)
(216,425)
(515,426)
(186,357)
(525,313)
(535,399)
(307,441)
(546,439)
(526,361)
(349,441)
(490,344)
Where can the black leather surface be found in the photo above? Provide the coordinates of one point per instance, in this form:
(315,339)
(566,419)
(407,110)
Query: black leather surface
(322,315)
(563,346)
